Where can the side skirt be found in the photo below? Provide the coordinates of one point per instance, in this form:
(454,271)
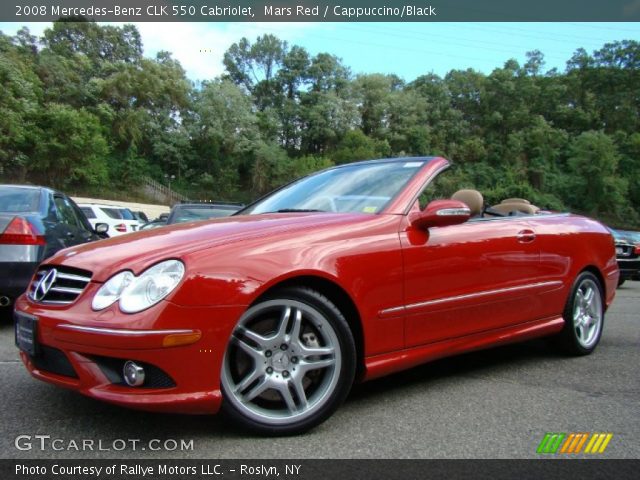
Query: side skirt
(381,365)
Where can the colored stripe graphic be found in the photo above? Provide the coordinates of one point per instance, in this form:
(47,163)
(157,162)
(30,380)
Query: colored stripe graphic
(584,439)
(568,443)
(604,445)
(551,442)
(598,443)
(572,443)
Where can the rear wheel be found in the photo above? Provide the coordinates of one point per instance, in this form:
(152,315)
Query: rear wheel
(289,364)
(583,315)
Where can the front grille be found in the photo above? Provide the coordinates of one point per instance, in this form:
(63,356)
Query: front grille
(58,285)
(53,360)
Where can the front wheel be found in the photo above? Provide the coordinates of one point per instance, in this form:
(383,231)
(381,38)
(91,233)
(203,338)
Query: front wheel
(289,364)
(583,315)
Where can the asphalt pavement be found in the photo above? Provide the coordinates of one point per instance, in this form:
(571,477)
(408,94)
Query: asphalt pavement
(496,403)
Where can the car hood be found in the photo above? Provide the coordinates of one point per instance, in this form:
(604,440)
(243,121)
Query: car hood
(137,251)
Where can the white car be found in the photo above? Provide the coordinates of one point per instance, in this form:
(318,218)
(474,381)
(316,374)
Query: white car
(120,219)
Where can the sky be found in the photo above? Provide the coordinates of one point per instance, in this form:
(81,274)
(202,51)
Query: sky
(405,49)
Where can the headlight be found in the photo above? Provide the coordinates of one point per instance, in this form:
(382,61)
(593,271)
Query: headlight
(151,286)
(111,290)
(137,293)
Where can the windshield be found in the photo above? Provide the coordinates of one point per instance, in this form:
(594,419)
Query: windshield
(18,200)
(626,235)
(364,188)
(616,235)
(634,237)
(190,214)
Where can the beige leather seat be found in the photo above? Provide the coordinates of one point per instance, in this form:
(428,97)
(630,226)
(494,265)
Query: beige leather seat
(506,208)
(472,198)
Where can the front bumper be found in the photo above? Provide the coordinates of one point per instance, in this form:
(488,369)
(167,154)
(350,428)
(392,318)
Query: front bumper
(182,346)
(629,268)
(15,277)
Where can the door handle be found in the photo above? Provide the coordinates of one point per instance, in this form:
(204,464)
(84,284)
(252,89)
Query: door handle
(526,236)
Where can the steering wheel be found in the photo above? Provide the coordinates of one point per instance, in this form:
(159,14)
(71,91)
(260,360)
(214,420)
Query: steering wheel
(329,200)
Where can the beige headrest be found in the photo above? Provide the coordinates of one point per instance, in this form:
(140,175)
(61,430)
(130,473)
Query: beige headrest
(506,208)
(472,198)
(515,200)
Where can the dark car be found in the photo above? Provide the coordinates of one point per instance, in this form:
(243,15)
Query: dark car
(161,221)
(140,216)
(627,254)
(631,236)
(190,212)
(35,222)
(153,224)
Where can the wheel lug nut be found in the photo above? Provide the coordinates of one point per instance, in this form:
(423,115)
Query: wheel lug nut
(269,370)
(294,359)
(267,353)
(283,346)
(285,374)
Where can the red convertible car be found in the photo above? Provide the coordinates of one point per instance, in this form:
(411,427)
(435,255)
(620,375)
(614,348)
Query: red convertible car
(348,274)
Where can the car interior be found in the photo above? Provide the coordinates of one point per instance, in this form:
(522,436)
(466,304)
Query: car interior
(506,208)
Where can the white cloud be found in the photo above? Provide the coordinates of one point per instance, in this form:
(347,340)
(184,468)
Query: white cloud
(200,47)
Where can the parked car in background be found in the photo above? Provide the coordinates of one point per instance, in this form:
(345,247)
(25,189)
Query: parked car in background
(127,214)
(119,219)
(627,254)
(630,235)
(140,216)
(348,274)
(160,221)
(153,224)
(190,212)
(35,222)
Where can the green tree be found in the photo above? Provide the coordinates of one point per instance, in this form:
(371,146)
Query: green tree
(71,150)
(20,99)
(255,67)
(111,44)
(373,95)
(357,146)
(596,187)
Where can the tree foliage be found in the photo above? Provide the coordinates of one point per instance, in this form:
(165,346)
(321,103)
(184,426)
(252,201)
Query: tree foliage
(82,107)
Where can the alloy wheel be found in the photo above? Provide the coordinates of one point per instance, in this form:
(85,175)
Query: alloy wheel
(283,362)
(587,313)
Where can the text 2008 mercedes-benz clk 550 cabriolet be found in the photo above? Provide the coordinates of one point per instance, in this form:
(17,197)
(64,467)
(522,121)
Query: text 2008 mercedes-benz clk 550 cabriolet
(348,274)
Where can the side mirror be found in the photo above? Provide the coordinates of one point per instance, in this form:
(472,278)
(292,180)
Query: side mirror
(440,213)
(101,228)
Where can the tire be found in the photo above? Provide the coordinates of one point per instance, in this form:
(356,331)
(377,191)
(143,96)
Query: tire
(621,281)
(289,364)
(583,316)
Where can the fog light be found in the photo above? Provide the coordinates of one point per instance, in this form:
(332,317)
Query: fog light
(133,374)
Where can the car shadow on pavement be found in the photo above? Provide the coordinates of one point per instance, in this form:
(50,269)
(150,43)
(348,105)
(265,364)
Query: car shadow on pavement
(6,319)
(477,363)
(104,419)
